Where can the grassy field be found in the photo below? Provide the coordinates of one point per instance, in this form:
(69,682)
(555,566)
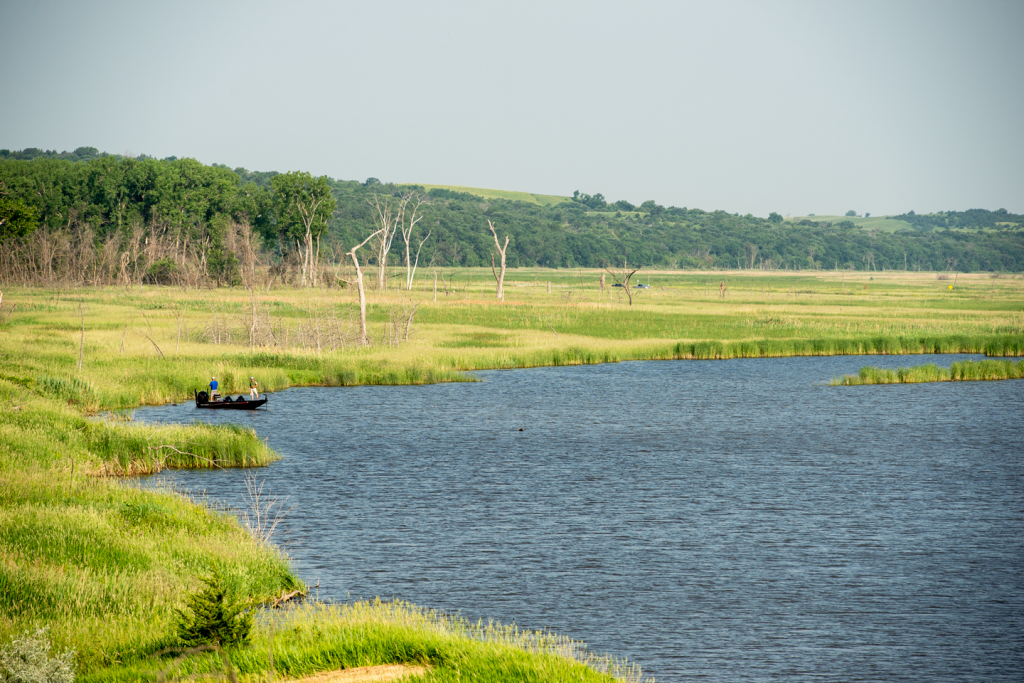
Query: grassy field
(530,198)
(104,564)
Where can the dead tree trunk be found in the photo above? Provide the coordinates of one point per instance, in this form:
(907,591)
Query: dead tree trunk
(364,339)
(622,277)
(500,277)
(414,217)
(310,251)
(388,215)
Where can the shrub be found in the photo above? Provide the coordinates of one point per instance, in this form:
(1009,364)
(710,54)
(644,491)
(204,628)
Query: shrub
(214,616)
(27,660)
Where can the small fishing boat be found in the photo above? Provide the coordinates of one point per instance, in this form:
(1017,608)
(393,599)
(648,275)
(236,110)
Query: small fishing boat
(228,403)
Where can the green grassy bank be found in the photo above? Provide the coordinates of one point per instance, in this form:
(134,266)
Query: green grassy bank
(306,639)
(957,372)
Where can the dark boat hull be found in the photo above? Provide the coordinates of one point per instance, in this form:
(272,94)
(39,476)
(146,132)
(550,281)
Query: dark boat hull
(202,402)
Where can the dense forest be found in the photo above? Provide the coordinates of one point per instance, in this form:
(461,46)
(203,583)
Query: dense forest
(111,217)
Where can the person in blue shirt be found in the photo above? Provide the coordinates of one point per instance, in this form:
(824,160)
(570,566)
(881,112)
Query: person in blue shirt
(214,396)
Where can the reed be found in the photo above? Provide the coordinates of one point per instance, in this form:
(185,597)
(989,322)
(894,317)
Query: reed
(969,370)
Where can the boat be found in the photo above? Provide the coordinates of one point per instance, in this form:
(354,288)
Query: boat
(228,403)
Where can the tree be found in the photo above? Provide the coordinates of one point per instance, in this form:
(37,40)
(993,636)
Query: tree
(414,217)
(363,336)
(16,219)
(500,277)
(851,212)
(653,208)
(774,218)
(622,276)
(214,615)
(304,207)
(387,215)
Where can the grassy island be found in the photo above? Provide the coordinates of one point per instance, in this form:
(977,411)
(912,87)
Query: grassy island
(104,565)
(957,372)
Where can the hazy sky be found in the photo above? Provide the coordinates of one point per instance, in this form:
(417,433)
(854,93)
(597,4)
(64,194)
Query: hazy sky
(795,107)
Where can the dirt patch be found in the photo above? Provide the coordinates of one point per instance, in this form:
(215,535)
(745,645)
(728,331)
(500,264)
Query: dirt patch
(366,674)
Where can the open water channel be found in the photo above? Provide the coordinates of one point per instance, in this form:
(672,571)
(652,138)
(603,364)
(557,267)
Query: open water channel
(717,520)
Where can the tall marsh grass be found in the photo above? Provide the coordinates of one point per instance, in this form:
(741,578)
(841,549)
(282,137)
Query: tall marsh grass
(997,345)
(957,372)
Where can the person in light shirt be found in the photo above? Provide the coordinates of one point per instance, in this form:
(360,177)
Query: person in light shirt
(254,389)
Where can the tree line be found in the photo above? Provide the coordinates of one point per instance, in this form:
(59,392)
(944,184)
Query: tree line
(112,218)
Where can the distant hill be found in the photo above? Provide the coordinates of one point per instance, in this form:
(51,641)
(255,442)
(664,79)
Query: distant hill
(972,219)
(883,223)
(511,195)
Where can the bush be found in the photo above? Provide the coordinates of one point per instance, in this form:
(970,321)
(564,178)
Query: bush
(214,616)
(27,660)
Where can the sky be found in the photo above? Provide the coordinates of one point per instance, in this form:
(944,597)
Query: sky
(749,107)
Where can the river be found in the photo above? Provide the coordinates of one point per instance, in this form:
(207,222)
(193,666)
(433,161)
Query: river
(725,520)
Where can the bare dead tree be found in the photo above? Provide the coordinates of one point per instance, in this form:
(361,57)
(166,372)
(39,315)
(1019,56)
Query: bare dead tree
(500,277)
(310,256)
(363,336)
(388,215)
(400,316)
(622,276)
(247,251)
(750,251)
(406,228)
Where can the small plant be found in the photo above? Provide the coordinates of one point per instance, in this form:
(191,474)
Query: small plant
(212,615)
(27,660)
(265,511)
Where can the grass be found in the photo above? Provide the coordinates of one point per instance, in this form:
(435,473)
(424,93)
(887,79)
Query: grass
(310,638)
(104,564)
(957,372)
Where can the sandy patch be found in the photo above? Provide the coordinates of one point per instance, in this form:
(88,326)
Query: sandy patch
(365,674)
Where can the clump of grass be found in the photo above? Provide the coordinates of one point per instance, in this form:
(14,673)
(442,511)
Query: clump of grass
(47,435)
(70,390)
(962,371)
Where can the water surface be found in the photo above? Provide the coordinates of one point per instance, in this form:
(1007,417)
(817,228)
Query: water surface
(722,520)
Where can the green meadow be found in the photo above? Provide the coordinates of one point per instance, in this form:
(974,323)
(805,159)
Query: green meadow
(104,565)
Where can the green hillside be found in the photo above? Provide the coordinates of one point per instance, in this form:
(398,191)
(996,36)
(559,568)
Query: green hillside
(511,195)
(883,223)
